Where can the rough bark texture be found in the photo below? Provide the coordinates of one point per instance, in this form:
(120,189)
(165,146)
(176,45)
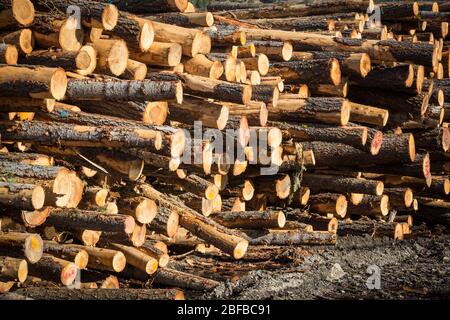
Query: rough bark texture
(295,237)
(317,182)
(307,71)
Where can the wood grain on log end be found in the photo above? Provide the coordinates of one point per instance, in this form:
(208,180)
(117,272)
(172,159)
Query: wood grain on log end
(110,16)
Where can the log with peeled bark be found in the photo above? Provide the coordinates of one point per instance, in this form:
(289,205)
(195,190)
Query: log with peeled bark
(192,41)
(137,258)
(57,30)
(216,89)
(22,196)
(372,228)
(21,245)
(202,227)
(112,56)
(101,294)
(113,90)
(93,13)
(79,135)
(187,20)
(142,209)
(13,269)
(368,114)
(8,54)
(212,115)
(160,54)
(356,65)
(16,13)
(35,82)
(274,50)
(67,252)
(22,39)
(251,219)
(317,109)
(326,71)
(375,206)
(135,70)
(84,219)
(329,203)
(77,60)
(320,182)
(296,237)
(200,65)
(54,269)
(298,10)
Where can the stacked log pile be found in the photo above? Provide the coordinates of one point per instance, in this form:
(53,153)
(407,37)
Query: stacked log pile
(317,121)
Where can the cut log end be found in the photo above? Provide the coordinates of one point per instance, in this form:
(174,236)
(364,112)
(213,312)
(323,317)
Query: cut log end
(172,224)
(11,54)
(69,274)
(408,197)
(58,84)
(445,139)
(146,37)
(345,112)
(283,187)
(119,262)
(177,144)
(248,190)
(420,76)
(240,250)
(341,206)
(151,266)
(156,112)
(179,93)
(118,57)
(286,51)
(384,205)
(365,65)
(81,259)
(38,197)
(26,41)
(22,271)
(135,169)
(146,211)
(281,219)
(110,16)
(447,186)
(335,72)
(398,232)
(23,11)
(411,147)
(129,225)
(34,248)
(376,143)
(426,169)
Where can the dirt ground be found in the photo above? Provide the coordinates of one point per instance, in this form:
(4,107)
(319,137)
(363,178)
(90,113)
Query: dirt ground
(409,269)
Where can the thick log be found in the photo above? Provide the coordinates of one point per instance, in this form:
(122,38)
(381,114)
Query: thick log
(83,219)
(324,110)
(67,252)
(135,70)
(187,20)
(16,104)
(54,269)
(166,222)
(274,50)
(399,197)
(13,269)
(54,59)
(16,13)
(329,203)
(436,139)
(439,185)
(313,71)
(316,221)
(160,54)
(200,226)
(137,258)
(296,237)
(101,294)
(35,82)
(183,280)
(202,66)
(319,182)
(266,93)
(368,114)
(22,245)
(250,219)
(112,56)
(112,90)
(223,35)
(142,209)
